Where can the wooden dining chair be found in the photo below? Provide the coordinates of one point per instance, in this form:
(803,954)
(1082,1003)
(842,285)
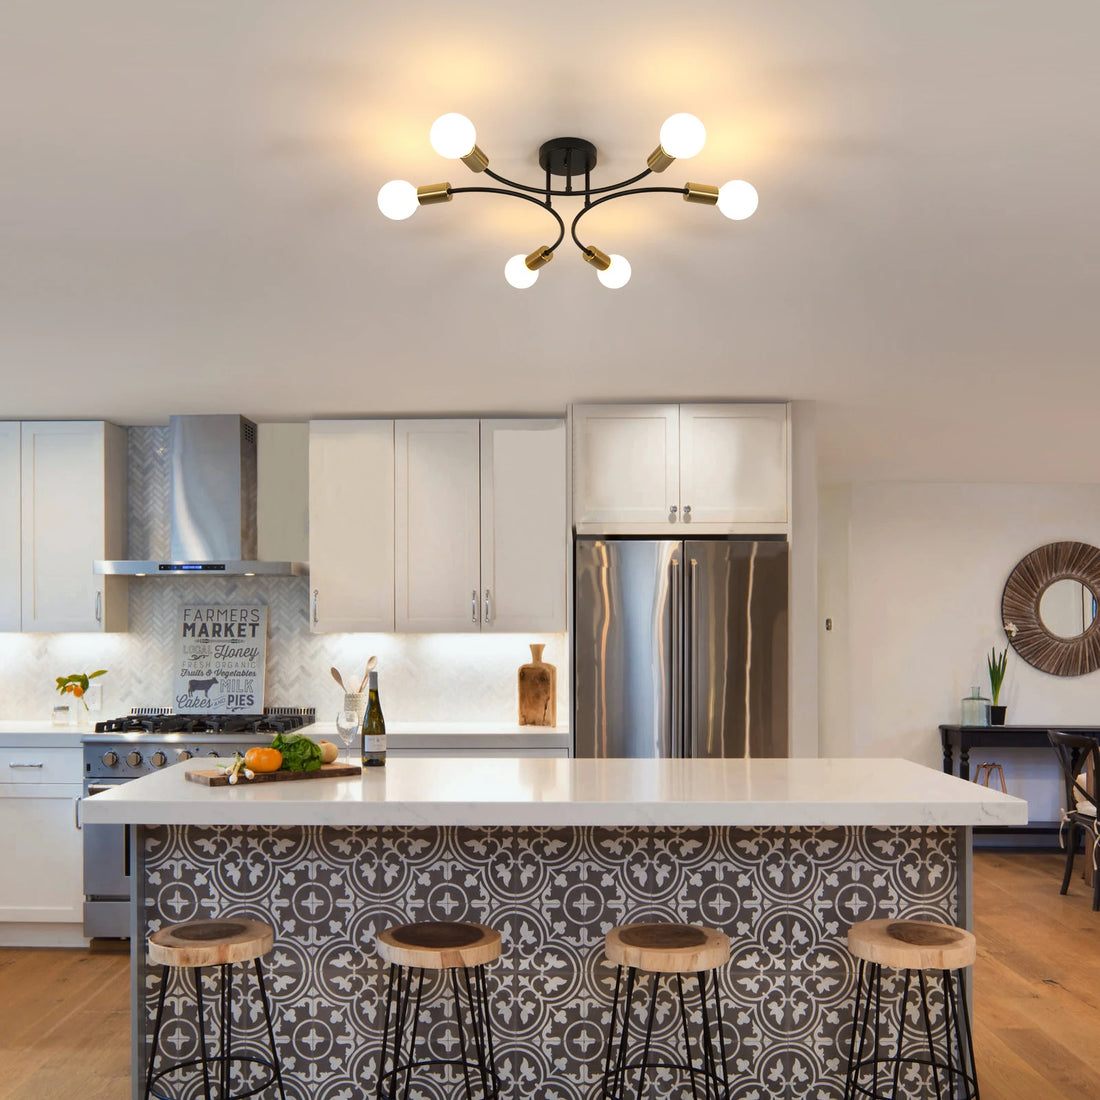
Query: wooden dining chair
(1074,752)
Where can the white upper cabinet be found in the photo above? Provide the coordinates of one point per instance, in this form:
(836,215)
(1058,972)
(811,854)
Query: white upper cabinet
(672,469)
(437,488)
(9,526)
(524,544)
(74,511)
(626,465)
(351,525)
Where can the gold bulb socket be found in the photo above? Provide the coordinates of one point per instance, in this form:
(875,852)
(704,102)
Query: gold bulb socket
(659,160)
(701,192)
(601,261)
(539,258)
(433,192)
(475,160)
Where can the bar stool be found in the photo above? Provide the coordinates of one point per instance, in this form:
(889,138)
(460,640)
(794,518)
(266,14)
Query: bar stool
(438,946)
(912,946)
(674,950)
(194,945)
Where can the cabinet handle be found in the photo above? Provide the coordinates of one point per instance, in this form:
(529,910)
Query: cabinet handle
(473,606)
(486,619)
(76,812)
(315,605)
(99,607)
(672,513)
(687,513)
(21,765)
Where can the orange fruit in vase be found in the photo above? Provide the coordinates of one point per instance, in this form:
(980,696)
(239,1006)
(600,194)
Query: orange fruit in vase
(76,689)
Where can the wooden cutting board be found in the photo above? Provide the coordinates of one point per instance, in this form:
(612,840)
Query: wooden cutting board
(215,777)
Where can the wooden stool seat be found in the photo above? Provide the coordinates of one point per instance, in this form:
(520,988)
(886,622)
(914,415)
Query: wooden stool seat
(439,945)
(668,948)
(211,942)
(912,944)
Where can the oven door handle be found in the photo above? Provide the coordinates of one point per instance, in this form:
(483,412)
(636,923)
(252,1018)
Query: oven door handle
(126,850)
(76,812)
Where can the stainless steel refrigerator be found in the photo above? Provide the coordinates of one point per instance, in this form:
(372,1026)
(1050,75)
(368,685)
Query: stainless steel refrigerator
(680,648)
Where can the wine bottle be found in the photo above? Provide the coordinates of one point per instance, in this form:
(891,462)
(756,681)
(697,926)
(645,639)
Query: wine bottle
(374,728)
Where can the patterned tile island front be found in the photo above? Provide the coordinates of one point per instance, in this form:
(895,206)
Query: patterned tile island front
(553,881)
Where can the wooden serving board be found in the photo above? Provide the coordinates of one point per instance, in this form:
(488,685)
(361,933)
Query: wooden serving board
(215,777)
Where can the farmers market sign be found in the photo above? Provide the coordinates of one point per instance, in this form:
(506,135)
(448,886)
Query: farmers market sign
(220,663)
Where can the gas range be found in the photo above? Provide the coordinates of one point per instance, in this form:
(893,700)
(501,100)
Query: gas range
(147,739)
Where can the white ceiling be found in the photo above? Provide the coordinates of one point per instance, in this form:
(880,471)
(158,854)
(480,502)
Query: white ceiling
(188,218)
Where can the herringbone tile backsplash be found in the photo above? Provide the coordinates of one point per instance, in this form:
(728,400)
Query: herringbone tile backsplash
(423,677)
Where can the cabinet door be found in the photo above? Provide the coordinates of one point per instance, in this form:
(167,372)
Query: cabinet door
(733,464)
(437,510)
(9,526)
(625,468)
(43,871)
(524,557)
(351,525)
(74,512)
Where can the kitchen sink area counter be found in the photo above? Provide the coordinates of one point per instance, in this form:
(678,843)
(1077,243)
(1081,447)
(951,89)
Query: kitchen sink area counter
(782,855)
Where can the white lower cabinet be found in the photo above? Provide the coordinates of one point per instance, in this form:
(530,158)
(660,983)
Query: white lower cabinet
(43,872)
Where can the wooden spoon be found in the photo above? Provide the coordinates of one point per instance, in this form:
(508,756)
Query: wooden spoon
(372,664)
(338,678)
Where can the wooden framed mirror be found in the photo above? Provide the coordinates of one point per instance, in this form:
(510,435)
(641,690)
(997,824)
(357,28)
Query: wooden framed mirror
(1050,598)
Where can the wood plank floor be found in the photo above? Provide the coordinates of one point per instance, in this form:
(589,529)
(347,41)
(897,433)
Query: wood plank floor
(65,1030)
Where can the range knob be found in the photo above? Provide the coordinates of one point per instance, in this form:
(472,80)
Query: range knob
(158,759)
(110,759)
(133,758)
(183,754)
(212,753)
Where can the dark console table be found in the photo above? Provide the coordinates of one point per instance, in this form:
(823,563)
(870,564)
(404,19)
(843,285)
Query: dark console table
(962,739)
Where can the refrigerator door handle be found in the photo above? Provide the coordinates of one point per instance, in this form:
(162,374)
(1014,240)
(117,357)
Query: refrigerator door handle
(689,663)
(675,747)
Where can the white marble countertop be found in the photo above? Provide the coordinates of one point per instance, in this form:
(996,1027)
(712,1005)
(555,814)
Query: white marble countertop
(41,733)
(544,791)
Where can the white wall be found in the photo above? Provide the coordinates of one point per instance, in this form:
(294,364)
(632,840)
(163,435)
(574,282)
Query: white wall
(911,576)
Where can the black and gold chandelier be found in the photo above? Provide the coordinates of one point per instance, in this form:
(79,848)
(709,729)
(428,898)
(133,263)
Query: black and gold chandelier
(453,136)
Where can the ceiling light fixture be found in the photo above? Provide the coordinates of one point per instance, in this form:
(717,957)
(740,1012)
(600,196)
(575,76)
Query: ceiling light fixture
(453,136)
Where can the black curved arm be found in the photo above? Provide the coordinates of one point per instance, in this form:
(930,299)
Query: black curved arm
(516,195)
(617,195)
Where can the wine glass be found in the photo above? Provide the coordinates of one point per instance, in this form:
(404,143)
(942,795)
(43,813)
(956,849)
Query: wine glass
(347,726)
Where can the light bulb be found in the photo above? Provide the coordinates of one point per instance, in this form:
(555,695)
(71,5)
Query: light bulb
(452,136)
(738,200)
(617,275)
(682,136)
(397,200)
(519,274)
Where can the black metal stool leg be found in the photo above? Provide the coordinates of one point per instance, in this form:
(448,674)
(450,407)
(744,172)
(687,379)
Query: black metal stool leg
(473,1003)
(270,1029)
(876,977)
(487,1019)
(857,1032)
(227,1026)
(386,1032)
(719,1021)
(404,989)
(620,1060)
(709,1067)
(462,1036)
(972,1068)
(653,986)
(928,1030)
(605,1080)
(901,1033)
(412,1037)
(687,1037)
(156,1030)
(948,1012)
(202,1035)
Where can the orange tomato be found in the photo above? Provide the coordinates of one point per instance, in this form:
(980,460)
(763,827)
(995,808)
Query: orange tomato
(263,760)
(76,689)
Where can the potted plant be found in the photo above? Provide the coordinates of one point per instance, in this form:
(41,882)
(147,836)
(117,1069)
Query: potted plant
(998,665)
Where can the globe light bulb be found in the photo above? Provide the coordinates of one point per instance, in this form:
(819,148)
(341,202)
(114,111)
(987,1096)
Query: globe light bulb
(519,274)
(452,136)
(617,275)
(397,200)
(738,200)
(682,136)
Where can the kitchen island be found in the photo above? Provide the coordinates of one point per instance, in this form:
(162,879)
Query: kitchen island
(781,854)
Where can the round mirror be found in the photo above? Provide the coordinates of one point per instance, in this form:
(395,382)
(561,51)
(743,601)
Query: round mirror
(1049,608)
(1067,608)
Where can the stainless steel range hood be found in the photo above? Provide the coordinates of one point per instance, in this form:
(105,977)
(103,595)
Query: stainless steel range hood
(213,504)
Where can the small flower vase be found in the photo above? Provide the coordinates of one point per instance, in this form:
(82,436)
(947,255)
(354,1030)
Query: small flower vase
(997,715)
